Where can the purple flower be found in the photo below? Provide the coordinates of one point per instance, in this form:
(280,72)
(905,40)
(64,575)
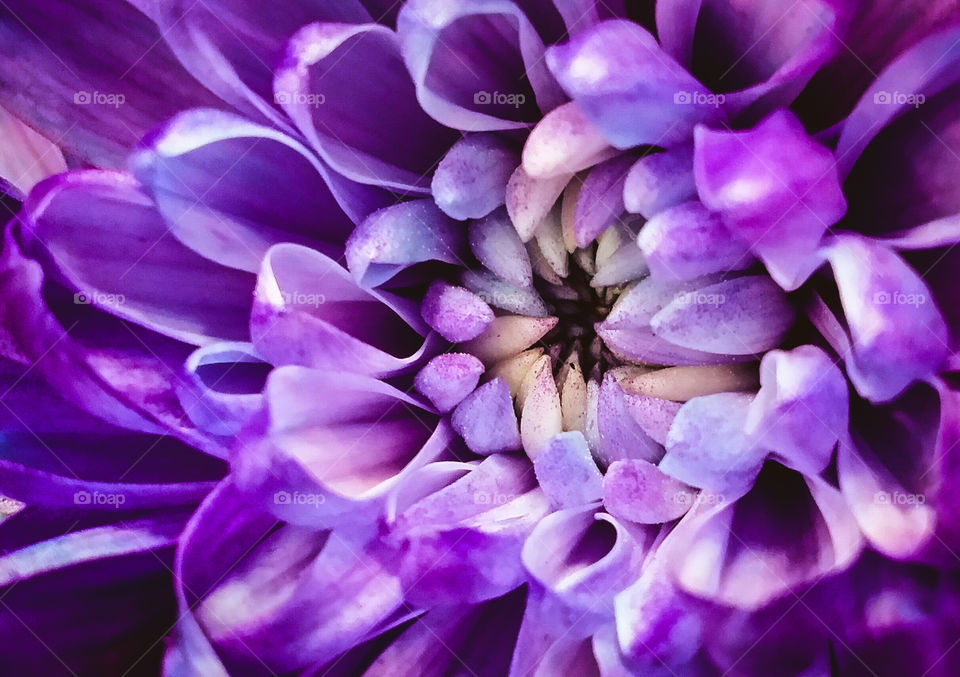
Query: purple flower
(506,337)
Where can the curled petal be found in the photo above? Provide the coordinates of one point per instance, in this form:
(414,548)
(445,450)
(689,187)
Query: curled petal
(801,409)
(778,191)
(229,189)
(396,237)
(448,47)
(310,311)
(898,334)
(335,82)
(471,179)
(628,87)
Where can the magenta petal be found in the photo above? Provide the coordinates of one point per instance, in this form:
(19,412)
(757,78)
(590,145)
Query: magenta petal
(335,83)
(486,419)
(778,190)
(448,378)
(898,334)
(310,311)
(567,472)
(633,91)
(801,408)
(457,314)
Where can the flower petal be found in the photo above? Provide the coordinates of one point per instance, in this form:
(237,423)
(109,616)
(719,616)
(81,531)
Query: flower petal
(310,311)
(486,420)
(471,178)
(78,85)
(778,190)
(633,91)
(229,189)
(898,334)
(477,66)
(334,83)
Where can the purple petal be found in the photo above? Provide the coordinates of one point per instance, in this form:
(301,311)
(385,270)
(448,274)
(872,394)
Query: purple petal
(231,47)
(497,246)
(600,201)
(632,90)
(109,242)
(471,179)
(457,314)
(476,67)
(741,316)
(335,82)
(96,95)
(898,334)
(448,378)
(801,409)
(397,237)
(305,465)
(638,491)
(689,241)
(486,420)
(229,189)
(767,51)
(562,143)
(622,435)
(708,446)
(310,311)
(223,387)
(566,472)
(778,190)
(660,180)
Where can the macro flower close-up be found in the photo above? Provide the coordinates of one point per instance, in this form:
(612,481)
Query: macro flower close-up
(487,338)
